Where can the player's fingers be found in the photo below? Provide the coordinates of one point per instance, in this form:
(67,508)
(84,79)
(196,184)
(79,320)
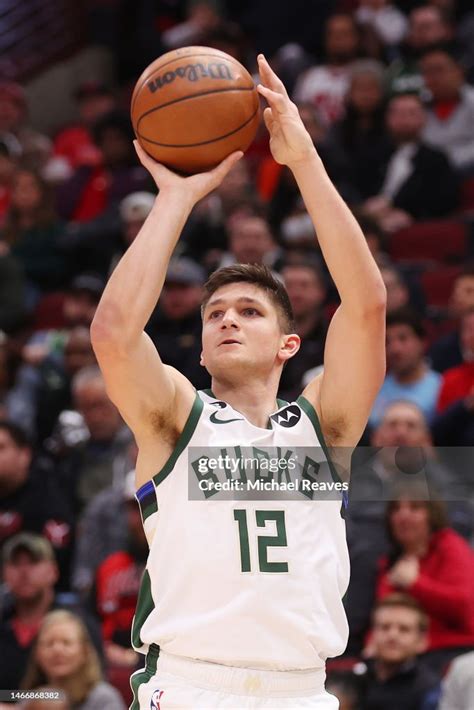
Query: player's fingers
(276,101)
(268,118)
(223,168)
(269,77)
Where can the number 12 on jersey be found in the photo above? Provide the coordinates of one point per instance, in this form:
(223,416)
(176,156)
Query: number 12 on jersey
(263,541)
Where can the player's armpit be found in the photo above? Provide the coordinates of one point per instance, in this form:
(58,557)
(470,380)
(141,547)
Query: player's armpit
(354,369)
(150,396)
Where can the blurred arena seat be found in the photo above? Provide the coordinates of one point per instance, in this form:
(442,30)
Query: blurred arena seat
(438,241)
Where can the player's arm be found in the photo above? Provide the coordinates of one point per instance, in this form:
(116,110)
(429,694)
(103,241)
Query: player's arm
(354,359)
(137,381)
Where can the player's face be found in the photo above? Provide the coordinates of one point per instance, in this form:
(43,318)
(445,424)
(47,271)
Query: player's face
(396,634)
(60,651)
(241,333)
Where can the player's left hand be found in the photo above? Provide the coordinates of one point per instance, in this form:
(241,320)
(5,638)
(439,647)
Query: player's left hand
(192,188)
(290,142)
(405,572)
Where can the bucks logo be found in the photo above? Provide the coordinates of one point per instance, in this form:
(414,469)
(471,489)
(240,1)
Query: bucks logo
(287,417)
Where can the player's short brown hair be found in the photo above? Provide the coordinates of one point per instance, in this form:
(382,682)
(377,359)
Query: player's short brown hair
(406,602)
(260,276)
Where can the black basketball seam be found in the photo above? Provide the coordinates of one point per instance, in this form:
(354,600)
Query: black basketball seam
(189,56)
(195,145)
(190,96)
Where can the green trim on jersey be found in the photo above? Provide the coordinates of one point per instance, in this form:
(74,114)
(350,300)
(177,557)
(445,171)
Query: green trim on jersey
(310,411)
(282,402)
(182,442)
(144,675)
(145,606)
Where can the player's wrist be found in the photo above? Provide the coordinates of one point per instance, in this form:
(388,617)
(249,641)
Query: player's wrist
(310,158)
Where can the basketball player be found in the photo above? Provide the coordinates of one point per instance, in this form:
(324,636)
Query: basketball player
(240,603)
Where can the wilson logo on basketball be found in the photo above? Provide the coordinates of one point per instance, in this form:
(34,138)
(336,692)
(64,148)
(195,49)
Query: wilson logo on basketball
(192,72)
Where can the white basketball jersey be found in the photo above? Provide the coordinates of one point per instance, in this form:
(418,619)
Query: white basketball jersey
(250,583)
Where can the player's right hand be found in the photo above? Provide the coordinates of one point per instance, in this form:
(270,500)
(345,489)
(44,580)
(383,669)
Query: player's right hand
(290,142)
(192,188)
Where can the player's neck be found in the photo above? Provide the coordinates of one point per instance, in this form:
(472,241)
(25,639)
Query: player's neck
(255,400)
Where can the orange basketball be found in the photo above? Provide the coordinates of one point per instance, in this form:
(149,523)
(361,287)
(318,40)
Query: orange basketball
(194,106)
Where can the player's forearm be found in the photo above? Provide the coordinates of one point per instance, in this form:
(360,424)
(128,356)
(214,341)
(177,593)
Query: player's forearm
(350,263)
(134,287)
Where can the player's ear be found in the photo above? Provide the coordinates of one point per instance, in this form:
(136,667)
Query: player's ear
(290,345)
(201,359)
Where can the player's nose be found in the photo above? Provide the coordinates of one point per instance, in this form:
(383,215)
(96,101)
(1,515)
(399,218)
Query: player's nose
(229,319)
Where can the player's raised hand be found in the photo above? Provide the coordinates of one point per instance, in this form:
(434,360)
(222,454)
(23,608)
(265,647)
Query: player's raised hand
(290,142)
(194,187)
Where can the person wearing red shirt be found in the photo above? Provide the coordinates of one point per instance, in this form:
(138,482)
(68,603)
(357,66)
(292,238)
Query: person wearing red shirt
(435,565)
(118,583)
(458,382)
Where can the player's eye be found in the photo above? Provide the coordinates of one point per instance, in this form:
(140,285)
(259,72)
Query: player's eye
(251,312)
(213,315)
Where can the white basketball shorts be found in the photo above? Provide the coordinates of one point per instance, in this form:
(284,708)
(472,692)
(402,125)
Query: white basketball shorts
(175,683)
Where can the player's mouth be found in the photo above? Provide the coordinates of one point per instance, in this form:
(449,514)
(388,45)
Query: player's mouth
(230,341)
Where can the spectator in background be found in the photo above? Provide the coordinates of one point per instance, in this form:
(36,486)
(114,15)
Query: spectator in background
(389,24)
(306,290)
(176,324)
(415,182)
(118,580)
(450,111)
(435,566)
(376,240)
(41,392)
(326,85)
(402,441)
(31,232)
(74,145)
(205,234)
(394,678)
(446,351)
(134,209)
(428,26)
(34,147)
(30,499)
(94,190)
(361,131)
(408,375)
(251,242)
(97,459)
(454,425)
(100,533)
(398,294)
(30,574)
(458,685)
(77,310)
(201,18)
(63,656)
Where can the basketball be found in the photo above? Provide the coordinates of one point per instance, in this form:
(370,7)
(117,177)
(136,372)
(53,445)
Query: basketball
(194,106)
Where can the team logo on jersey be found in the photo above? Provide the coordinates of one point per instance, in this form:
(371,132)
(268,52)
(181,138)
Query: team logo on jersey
(287,417)
(213,418)
(155,700)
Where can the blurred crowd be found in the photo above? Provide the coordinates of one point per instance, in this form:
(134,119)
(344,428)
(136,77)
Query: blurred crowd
(386,92)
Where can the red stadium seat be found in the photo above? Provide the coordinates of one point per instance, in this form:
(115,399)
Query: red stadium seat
(442,242)
(438,284)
